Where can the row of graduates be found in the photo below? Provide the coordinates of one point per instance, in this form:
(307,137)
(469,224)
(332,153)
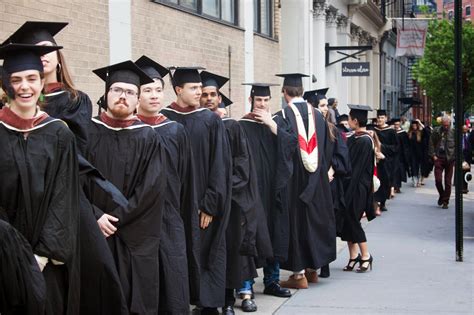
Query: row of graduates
(149,213)
(404,154)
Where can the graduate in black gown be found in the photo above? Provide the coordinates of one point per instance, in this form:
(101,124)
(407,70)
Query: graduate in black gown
(426,160)
(242,228)
(212,165)
(179,239)
(272,145)
(415,138)
(359,189)
(402,169)
(312,221)
(386,167)
(337,155)
(132,157)
(39,172)
(101,292)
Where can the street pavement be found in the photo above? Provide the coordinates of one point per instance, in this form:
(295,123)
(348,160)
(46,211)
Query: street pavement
(414,268)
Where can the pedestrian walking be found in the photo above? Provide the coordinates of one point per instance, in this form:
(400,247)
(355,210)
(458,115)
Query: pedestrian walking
(441,151)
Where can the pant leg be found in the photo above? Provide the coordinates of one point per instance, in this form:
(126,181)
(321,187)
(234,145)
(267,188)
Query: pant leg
(229,297)
(448,179)
(271,273)
(246,287)
(438,172)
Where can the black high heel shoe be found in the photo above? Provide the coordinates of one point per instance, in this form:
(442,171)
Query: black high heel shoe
(364,264)
(351,264)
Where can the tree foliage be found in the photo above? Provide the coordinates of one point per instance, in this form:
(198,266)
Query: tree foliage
(435,71)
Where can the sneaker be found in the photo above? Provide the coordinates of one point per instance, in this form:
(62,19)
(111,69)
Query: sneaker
(445,205)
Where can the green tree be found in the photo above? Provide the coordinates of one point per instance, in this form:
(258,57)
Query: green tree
(435,70)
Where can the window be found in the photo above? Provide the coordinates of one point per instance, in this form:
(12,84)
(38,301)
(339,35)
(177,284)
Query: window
(468,11)
(263,17)
(224,10)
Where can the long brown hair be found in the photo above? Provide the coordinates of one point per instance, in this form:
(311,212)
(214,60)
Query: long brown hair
(64,77)
(418,131)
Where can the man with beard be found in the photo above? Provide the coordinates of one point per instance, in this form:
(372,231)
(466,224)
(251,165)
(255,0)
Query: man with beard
(131,156)
(311,216)
(212,165)
(385,168)
(272,145)
(179,241)
(242,228)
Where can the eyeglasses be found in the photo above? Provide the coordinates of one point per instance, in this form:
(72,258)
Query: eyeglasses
(117,91)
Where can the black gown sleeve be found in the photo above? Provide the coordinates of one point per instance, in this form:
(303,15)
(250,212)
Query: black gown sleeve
(22,285)
(340,161)
(59,236)
(149,191)
(215,202)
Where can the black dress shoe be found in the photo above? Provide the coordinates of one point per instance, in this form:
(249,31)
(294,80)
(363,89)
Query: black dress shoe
(228,310)
(439,201)
(324,273)
(275,290)
(248,305)
(383,208)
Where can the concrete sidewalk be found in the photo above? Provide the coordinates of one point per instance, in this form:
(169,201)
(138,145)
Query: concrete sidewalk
(415,272)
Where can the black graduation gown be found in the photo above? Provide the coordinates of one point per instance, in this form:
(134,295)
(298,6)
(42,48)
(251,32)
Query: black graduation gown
(179,242)
(359,187)
(426,161)
(242,227)
(212,166)
(272,155)
(338,155)
(416,154)
(39,194)
(101,292)
(132,158)
(76,112)
(386,167)
(312,220)
(22,286)
(402,168)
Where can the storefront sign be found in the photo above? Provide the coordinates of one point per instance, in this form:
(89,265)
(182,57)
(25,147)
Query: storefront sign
(356,69)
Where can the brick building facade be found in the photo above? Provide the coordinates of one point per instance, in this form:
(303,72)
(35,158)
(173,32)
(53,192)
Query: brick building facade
(108,31)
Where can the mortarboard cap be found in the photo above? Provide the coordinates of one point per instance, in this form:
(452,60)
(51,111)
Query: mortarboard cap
(260,89)
(343,117)
(33,32)
(359,111)
(20,57)
(126,72)
(381,112)
(322,91)
(152,68)
(211,79)
(365,108)
(225,101)
(184,75)
(310,96)
(292,79)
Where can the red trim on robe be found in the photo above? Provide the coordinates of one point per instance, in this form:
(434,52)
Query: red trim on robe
(12,119)
(53,87)
(117,123)
(152,121)
(188,109)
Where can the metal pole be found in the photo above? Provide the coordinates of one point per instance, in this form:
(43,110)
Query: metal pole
(458,103)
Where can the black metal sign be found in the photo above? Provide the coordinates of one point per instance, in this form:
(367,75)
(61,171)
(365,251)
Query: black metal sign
(356,69)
